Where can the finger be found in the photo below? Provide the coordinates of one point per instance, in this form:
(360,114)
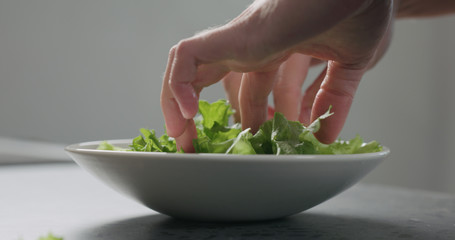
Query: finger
(287,90)
(208,74)
(308,99)
(211,48)
(338,90)
(254,91)
(182,74)
(175,122)
(195,66)
(231,83)
(185,140)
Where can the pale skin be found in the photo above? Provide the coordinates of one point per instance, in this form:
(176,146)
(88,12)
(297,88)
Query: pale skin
(268,49)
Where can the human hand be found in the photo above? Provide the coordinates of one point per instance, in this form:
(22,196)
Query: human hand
(258,42)
(287,95)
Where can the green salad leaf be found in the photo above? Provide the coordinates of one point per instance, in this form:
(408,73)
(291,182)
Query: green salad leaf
(50,236)
(149,142)
(104,145)
(276,136)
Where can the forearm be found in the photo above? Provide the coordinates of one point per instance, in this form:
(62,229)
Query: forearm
(424,8)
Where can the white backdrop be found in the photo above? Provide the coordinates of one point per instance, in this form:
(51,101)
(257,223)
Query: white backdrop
(74,71)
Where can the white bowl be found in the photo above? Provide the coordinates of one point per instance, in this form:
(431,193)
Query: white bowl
(218,187)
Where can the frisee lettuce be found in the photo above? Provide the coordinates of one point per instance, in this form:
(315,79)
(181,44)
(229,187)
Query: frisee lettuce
(276,136)
(50,236)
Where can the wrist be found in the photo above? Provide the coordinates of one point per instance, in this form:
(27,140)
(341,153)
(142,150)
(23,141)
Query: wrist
(424,8)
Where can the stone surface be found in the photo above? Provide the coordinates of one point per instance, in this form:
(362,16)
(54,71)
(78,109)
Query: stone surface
(63,199)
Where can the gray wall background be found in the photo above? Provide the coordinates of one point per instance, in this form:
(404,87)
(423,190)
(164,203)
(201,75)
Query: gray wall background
(73,71)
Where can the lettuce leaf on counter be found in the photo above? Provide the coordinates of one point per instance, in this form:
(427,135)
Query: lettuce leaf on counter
(50,236)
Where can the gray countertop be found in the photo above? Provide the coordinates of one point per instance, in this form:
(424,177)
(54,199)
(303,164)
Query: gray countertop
(61,198)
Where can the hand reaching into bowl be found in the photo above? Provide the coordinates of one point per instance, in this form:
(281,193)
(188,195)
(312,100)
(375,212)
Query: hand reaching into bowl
(270,46)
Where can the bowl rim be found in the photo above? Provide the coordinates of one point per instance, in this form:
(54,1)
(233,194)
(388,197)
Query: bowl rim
(84,148)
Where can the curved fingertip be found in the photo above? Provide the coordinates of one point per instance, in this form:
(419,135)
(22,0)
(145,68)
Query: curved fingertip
(186,98)
(181,75)
(330,127)
(337,90)
(185,140)
(189,110)
(173,117)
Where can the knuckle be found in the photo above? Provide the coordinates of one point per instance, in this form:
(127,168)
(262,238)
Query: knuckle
(182,48)
(345,93)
